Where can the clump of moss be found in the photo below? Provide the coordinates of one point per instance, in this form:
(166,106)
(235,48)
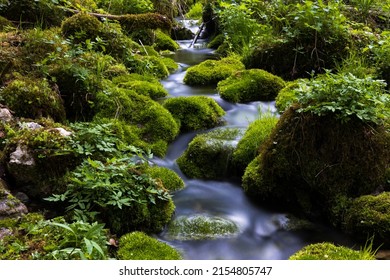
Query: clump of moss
(329,251)
(210,72)
(216,41)
(171,65)
(145,21)
(169,179)
(201,227)
(139,246)
(250,85)
(248,146)
(369,215)
(147,65)
(142,84)
(164,42)
(33,98)
(209,155)
(195,112)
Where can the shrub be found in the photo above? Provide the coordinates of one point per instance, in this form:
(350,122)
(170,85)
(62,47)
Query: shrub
(33,98)
(209,155)
(139,246)
(115,191)
(249,145)
(4,23)
(195,11)
(210,72)
(250,85)
(195,112)
(329,251)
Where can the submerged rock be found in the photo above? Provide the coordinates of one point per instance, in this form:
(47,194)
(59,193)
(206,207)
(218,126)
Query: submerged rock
(201,227)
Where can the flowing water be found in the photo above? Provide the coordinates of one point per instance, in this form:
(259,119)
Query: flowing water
(263,234)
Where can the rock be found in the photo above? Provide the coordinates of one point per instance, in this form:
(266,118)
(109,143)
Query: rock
(5,232)
(10,207)
(383,255)
(63,132)
(21,156)
(5,115)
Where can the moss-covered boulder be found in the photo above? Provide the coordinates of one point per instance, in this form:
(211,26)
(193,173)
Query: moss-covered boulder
(248,146)
(37,156)
(149,120)
(250,85)
(286,96)
(33,98)
(139,246)
(369,216)
(310,161)
(210,72)
(167,177)
(164,42)
(142,84)
(200,227)
(329,251)
(209,155)
(195,112)
(81,27)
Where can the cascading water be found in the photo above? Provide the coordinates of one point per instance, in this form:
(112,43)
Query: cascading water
(262,234)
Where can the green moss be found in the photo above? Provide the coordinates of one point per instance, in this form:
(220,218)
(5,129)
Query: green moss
(195,11)
(115,70)
(142,84)
(329,251)
(139,246)
(171,65)
(210,72)
(33,98)
(147,65)
(164,42)
(252,180)
(368,216)
(145,21)
(216,41)
(209,155)
(248,147)
(201,227)
(195,112)
(169,179)
(250,85)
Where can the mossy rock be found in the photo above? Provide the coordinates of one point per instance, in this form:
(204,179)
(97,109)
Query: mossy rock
(10,206)
(249,145)
(147,65)
(209,155)
(250,85)
(210,72)
(164,42)
(37,158)
(216,41)
(168,178)
(200,227)
(195,112)
(81,27)
(329,251)
(139,246)
(142,84)
(150,120)
(144,21)
(33,98)
(309,161)
(171,65)
(369,216)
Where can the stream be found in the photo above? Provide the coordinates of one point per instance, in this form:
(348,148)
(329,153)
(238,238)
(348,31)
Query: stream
(263,234)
